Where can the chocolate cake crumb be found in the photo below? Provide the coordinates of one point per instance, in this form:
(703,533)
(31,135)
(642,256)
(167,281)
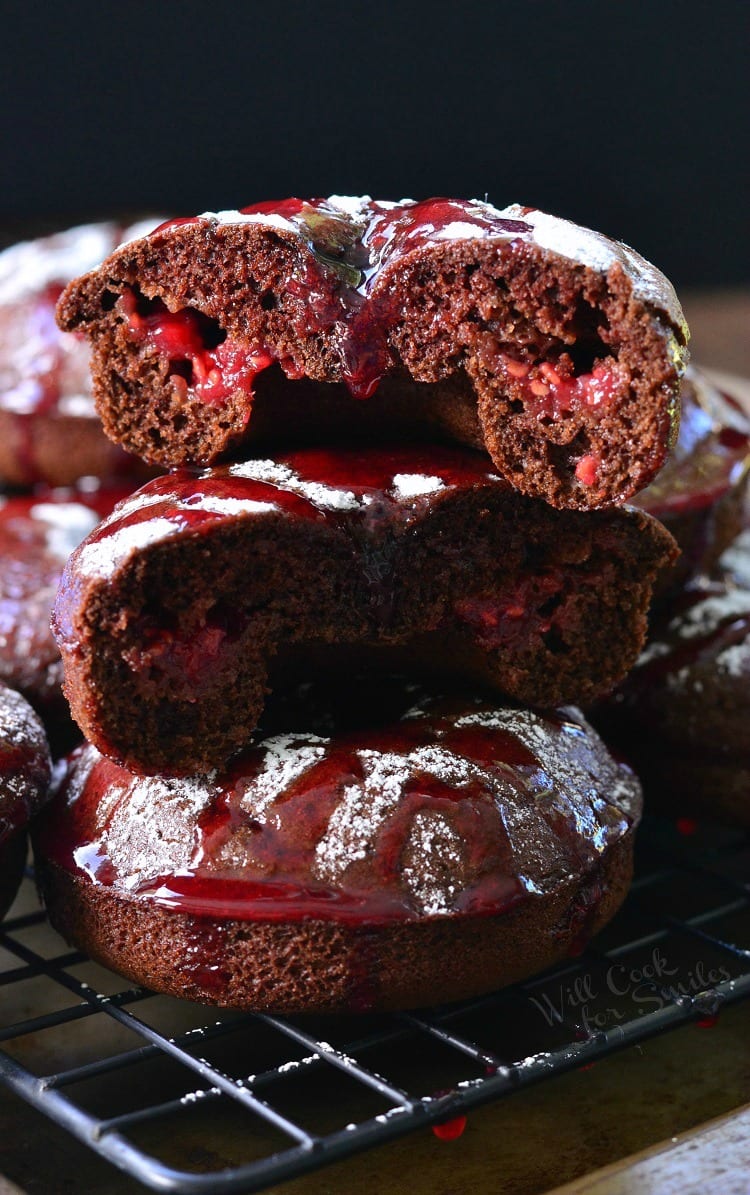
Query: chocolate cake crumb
(566,348)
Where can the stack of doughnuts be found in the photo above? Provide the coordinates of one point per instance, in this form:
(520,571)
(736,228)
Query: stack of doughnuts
(328,667)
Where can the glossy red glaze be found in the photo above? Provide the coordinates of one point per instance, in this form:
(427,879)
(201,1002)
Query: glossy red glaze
(18,764)
(724,626)
(687,826)
(277,836)
(24,764)
(710,458)
(43,371)
(351,486)
(351,247)
(37,535)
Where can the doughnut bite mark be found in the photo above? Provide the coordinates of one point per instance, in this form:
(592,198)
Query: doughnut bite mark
(172,614)
(568,346)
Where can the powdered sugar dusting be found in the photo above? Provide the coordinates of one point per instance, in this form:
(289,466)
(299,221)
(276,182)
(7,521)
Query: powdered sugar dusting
(101,558)
(357,207)
(67,523)
(151,833)
(413,485)
(440,849)
(233,506)
(570,772)
(361,811)
(736,560)
(286,758)
(426,817)
(600,253)
(322,496)
(734,661)
(702,618)
(232,216)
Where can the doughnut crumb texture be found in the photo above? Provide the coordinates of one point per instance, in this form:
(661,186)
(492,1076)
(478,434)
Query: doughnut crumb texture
(202,589)
(554,348)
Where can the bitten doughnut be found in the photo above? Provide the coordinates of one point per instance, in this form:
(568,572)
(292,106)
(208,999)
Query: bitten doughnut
(171,613)
(556,349)
(24,786)
(460,847)
(49,430)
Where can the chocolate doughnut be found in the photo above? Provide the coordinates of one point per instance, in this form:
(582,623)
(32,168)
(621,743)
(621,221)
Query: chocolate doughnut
(24,786)
(37,534)
(49,429)
(700,493)
(460,847)
(557,350)
(683,714)
(171,613)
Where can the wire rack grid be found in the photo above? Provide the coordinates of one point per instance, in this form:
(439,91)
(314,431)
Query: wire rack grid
(323,1089)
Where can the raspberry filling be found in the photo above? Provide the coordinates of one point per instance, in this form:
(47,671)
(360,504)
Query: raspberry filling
(187,660)
(549,391)
(354,248)
(202,359)
(529,612)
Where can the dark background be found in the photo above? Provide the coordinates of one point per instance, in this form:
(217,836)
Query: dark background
(631,117)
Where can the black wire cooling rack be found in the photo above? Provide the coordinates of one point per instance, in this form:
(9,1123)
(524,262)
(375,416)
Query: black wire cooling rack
(322,1089)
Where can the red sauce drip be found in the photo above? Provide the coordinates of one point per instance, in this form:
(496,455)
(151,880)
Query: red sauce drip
(204,960)
(449,1130)
(707,1022)
(349,253)
(268,900)
(20,763)
(214,372)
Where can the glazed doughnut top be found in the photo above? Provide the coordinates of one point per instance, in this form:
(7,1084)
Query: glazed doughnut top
(555,348)
(458,807)
(24,763)
(358,236)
